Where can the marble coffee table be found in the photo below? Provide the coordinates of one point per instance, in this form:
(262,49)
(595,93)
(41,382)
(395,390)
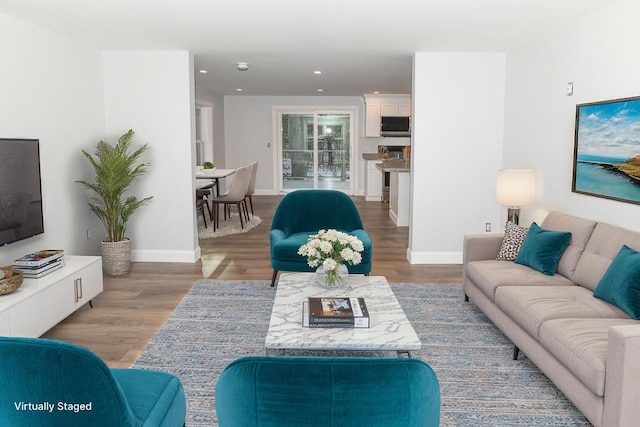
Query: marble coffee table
(390,329)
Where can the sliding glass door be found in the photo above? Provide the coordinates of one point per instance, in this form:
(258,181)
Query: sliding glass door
(315,149)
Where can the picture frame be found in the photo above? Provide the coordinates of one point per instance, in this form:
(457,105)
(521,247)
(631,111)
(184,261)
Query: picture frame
(606,159)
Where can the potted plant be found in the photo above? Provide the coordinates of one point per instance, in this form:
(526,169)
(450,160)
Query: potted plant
(115,170)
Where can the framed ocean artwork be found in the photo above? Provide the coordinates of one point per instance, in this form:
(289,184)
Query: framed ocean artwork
(606,161)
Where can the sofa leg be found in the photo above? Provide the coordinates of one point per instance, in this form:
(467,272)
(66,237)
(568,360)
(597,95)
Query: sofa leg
(516,352)
(273,278)
(466,298)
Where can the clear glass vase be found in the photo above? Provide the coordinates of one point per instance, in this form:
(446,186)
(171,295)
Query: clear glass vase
(333,278)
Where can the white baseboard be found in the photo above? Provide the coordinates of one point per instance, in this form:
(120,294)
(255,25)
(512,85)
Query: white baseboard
(165,256)
(434,257)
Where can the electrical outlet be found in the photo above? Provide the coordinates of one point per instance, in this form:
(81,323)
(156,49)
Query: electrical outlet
(487,227)
(88,233)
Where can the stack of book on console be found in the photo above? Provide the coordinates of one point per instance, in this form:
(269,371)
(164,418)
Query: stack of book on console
(330,312)
(39,263)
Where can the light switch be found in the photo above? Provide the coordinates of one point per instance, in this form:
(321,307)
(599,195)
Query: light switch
(570,89)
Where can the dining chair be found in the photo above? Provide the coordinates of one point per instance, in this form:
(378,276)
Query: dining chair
(235,196)
(252,185)
(202,203)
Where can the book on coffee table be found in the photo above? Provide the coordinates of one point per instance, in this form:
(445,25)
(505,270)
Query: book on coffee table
(335,312)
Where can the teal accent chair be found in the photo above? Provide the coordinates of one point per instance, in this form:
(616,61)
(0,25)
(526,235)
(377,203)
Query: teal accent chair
(302,213)
(327,391)
(80,390)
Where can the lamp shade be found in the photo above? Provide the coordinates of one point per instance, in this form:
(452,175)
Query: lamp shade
(516,187)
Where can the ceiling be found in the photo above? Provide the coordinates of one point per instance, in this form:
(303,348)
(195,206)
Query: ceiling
(360,46)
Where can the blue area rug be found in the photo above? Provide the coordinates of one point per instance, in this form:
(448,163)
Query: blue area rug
(219,321)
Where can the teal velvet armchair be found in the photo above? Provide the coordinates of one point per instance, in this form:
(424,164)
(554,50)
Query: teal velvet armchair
(327,391)
(304,212)
(51,383)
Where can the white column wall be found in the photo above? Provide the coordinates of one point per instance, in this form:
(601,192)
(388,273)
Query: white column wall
(456,151)
(152,93)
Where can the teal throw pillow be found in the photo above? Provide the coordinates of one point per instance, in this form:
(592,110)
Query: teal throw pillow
(542,249)
(620,284)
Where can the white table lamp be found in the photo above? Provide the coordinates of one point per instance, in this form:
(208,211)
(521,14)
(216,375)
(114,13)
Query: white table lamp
(515,188)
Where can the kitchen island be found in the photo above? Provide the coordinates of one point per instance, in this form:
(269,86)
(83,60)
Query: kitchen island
(399,186)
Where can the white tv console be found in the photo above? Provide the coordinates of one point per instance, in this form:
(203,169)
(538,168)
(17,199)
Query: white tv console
(39,304)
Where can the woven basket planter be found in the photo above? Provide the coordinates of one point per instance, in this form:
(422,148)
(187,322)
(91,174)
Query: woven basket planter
(11,281)
(116,257)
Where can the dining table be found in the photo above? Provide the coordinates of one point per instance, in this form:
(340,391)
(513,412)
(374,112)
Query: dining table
(213,176)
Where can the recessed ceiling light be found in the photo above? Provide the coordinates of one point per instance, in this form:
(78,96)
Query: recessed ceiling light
(320,90)
(375,91)
(239,90)
(203,71)
(317,72)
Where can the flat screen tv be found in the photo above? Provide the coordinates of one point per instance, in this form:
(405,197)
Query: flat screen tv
(20,190)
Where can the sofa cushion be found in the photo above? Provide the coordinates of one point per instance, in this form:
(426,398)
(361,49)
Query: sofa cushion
(581,346)
(581,230)
(620,285)
(489,275)
(514,235)
(603,246)
(531,306)
(542,249)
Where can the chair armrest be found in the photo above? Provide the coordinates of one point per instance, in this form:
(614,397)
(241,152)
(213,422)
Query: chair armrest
(622,389)
(276,235)
(478,247)
(363,236)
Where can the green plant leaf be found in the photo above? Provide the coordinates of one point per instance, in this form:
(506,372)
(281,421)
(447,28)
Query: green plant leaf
(115,168)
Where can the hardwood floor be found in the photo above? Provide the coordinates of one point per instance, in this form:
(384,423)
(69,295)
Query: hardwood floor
(133,307)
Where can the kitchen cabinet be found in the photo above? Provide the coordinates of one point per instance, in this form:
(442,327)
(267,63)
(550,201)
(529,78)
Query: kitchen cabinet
(377,106)
(399,184)
(372,120)
(395,110)
(373,182)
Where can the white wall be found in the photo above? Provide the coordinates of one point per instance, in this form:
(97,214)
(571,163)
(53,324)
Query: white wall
(456,151)
(249,128)
(51,89)
(153,94)
(218,131)
(599,53)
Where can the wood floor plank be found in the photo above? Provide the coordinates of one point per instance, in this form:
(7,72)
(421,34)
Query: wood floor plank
(131,309)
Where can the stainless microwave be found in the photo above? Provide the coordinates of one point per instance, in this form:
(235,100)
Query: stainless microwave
(395,126)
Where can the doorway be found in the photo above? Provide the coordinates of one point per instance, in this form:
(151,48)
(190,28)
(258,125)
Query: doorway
(315,149)
(204,132)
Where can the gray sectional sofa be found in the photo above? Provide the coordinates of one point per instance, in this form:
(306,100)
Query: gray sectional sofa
(588,347)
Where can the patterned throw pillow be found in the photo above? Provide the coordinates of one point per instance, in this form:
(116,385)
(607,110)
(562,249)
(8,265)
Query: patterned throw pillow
(513,237)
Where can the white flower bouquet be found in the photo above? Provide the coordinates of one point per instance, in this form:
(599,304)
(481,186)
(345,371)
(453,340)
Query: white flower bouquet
(330,249)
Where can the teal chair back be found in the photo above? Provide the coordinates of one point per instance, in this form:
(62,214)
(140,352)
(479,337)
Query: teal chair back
(327,391)
(312,210)
(304,212)
(52,383)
